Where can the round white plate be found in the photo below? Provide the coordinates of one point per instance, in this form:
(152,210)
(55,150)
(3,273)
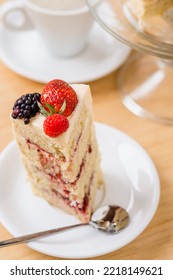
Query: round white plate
(24,53)
(131,181)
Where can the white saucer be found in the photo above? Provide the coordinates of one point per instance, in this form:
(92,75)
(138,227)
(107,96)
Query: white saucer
(131,182)
(24,53)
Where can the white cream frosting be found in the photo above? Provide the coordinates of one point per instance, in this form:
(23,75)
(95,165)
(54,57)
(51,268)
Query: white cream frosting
(85,102)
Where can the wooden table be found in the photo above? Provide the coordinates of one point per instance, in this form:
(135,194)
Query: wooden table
(156,241)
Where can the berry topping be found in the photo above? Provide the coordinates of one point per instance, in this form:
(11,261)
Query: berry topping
(55,124)
(55,93)
(26,107)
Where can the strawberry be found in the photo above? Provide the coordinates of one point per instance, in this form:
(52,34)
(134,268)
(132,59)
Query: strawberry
(55,124)
(55,93)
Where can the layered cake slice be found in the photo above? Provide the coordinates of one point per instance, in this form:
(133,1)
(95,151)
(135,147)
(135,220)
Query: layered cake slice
(56,137)
(147,8)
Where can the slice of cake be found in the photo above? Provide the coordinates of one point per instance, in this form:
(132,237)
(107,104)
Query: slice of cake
(56,137)
(147,8)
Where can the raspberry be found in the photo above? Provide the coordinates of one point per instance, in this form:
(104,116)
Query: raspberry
(26,107)
(55,93)
(55,124)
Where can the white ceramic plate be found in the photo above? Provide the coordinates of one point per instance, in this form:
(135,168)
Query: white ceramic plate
(24,53)
(131,181)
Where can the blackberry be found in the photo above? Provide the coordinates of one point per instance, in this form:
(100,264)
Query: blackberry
(26,107)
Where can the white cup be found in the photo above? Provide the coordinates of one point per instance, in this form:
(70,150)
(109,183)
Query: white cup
(64,30)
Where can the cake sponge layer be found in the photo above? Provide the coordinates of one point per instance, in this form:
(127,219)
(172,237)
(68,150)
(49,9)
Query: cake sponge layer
(52,162)
(83,212)
(74,190)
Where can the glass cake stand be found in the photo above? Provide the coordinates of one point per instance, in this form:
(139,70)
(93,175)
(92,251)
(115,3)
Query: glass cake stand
(146,80)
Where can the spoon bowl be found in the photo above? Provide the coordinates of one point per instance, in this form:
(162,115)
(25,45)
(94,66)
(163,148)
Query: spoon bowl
(110,218)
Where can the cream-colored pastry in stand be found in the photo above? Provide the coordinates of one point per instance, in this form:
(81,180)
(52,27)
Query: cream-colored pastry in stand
(144,9)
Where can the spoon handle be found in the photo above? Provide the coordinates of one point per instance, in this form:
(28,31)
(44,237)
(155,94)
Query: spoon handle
(37,235)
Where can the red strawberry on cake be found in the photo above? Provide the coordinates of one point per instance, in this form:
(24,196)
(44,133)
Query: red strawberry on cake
(55,93)
(55,134)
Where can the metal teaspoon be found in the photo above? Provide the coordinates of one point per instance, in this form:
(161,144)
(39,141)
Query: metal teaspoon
(110,218)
